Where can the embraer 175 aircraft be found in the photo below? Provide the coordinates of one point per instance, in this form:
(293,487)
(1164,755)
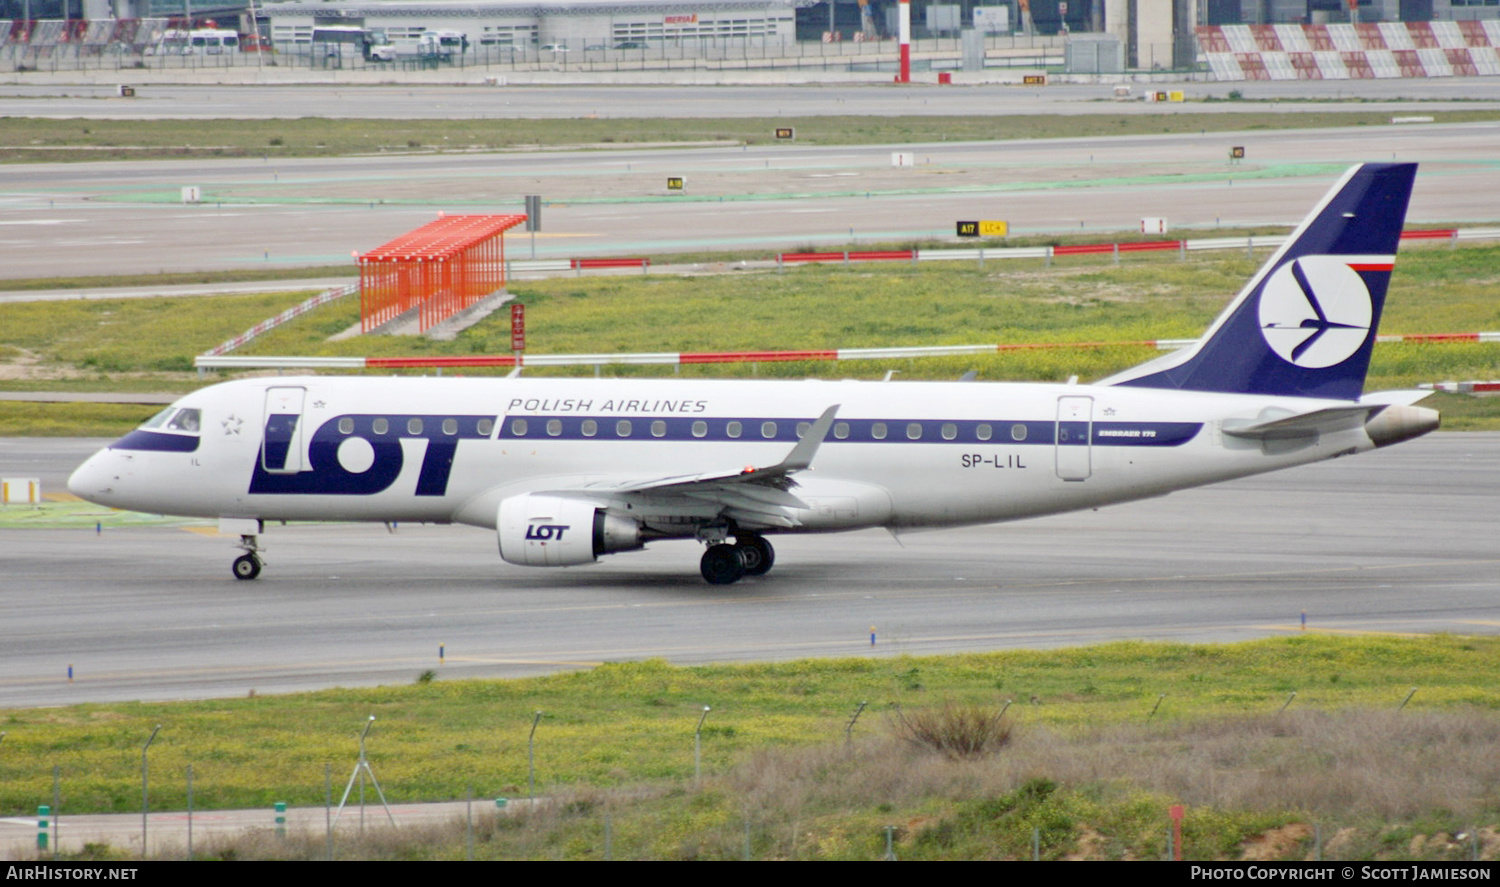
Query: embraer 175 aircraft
(567,470)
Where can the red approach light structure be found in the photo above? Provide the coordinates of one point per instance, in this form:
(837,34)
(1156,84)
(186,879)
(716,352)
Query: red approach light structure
(439,269)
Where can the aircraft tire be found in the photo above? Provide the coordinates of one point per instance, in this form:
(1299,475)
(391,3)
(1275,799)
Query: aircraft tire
(722,565)
(246,566)
(756,553)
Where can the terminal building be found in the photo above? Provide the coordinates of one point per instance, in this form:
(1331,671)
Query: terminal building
(603,21)
(574,25)
(1077,36)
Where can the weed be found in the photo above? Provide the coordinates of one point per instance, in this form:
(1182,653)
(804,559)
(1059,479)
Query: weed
(960,731)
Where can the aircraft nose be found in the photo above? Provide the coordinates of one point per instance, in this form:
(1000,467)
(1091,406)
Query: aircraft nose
(94,478)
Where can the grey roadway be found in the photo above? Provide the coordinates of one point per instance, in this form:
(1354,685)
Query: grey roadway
(1400,540)
(104,218)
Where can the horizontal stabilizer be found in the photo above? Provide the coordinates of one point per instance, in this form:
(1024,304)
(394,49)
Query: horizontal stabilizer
(1274,424)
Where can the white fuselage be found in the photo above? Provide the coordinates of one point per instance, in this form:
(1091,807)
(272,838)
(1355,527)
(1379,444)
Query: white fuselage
(901,454)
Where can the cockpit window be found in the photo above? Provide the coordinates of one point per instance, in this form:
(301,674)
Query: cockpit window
(159,419)
(186,420)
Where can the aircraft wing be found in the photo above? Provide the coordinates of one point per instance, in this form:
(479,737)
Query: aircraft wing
(758,496)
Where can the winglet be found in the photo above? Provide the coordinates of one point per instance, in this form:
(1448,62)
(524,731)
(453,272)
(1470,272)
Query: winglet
(802,454)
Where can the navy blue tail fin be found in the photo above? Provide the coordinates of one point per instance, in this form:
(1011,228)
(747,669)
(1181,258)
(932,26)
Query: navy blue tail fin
(1305,323)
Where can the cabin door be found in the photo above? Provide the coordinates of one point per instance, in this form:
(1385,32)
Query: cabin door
(1075,430)
(282,449)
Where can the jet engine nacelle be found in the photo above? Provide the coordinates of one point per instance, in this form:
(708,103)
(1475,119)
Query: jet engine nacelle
(537,530)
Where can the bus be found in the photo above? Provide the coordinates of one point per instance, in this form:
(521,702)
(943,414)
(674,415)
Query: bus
(212,41)
(351,41)
(196,41)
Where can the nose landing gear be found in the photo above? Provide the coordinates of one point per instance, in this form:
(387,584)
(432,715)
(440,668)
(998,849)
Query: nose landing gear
(247,565)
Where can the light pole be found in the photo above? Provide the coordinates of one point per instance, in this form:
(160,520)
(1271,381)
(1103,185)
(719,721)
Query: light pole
(698,746)
(145,794)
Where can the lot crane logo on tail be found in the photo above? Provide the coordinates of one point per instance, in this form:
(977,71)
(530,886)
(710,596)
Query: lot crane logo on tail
(1315,312)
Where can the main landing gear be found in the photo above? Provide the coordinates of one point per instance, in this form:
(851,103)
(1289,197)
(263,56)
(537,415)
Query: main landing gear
(750,555)
(247,565)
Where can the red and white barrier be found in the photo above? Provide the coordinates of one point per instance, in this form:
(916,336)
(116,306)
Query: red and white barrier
(322,298)
(1463,387)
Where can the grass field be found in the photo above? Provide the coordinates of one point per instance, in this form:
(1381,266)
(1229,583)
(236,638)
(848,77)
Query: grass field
(1101,740)
(148,344)
(42,139)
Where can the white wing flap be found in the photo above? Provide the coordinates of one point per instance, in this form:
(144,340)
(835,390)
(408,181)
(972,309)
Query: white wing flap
(751,496)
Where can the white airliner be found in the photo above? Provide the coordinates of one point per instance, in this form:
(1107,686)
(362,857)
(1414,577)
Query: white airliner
(567,470)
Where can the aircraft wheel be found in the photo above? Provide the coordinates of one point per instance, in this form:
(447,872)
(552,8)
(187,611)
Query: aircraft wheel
(246,566)
(721,565)
(756,553)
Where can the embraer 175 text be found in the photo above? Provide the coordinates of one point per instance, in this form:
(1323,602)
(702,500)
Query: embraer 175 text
(566,470)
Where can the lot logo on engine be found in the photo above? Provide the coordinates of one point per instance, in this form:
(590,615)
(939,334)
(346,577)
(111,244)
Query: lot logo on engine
(546,532)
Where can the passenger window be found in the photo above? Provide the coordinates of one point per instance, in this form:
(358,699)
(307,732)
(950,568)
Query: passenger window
(700,428)
(877,431)
(622,428)
(518,427)
(380,425)
(486,426)
(658,428)
(346,425)
(450,426)
(802,429)
(914,431)
(590,428)
(1018,431)
(734,429)
(414,426)
(554,427)
(950,431)
(983,431)
(768,430)
(841,430)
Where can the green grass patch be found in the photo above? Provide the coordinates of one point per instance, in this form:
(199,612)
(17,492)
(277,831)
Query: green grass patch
(76,419)
(1087,770)
(134,335)
(175,278)
(26,139)
(75,514)
(148,344)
